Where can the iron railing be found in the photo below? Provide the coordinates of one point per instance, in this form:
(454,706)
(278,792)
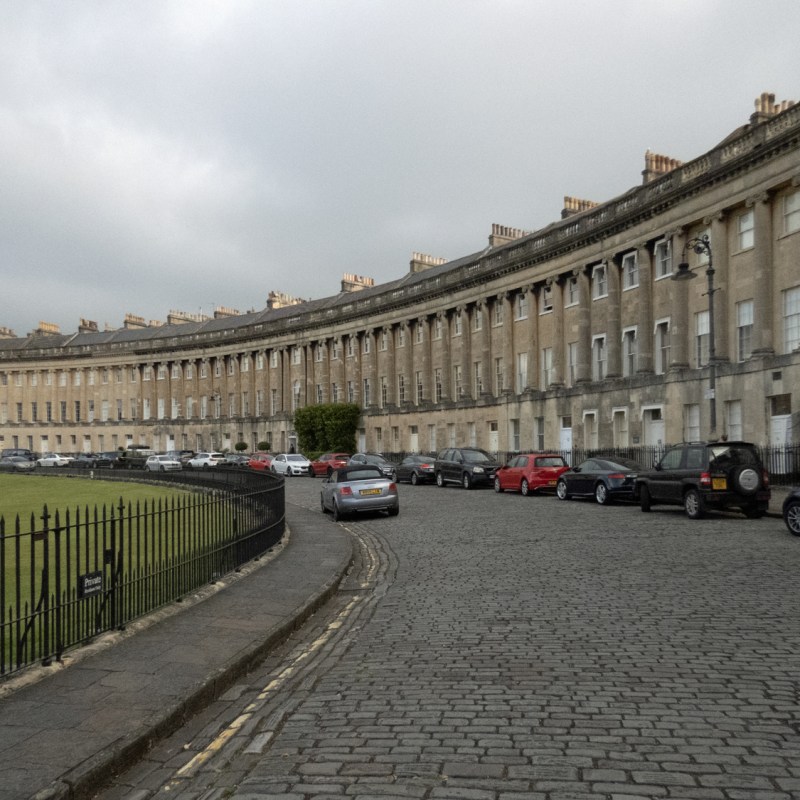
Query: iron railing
(82,572)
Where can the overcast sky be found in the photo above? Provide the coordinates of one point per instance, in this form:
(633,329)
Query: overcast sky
(166,154)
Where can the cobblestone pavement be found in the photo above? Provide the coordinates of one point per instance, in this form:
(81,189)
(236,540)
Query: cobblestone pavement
(499,647)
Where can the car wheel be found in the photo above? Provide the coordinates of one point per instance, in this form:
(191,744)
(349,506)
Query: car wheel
(745,480)
(394,511)
(337,515)
(561,490)
(694,505)
(644,498)
(792,517)
(394,475)
(601,494)
(524,488)
(162,469)
(466,480)
(322,505)
(414,479)
(439,480)
(497,487)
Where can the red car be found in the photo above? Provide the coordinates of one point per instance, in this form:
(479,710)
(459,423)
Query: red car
(530,472)
(260,461)
(327,463)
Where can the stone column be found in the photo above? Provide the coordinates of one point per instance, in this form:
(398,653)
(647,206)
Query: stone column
(369,368)
(558,332)
(532,337)
(644,258)
(338,370)
(509,367)
(763,343)
(679,320)
(487,378)
(583,367)
(285,366)
(408,362)
(446,361)
(390,366)
(718,238)
(614,332)
(466,351)
(424,360)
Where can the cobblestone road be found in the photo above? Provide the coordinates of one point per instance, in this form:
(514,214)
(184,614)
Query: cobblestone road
(497,647)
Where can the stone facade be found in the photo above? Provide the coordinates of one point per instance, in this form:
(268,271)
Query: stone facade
(570,335)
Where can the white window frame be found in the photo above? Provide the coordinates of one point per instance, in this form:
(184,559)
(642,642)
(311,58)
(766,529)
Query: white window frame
(745,230)
(702,338)
(599,357)
(546,300)
(599,281)
(662,256)
(630,271)
(744,330)
(630,356)
(791,212)
(573,292)
(791,319)
(661,351)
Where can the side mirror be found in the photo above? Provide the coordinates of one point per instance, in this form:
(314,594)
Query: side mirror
(576,469)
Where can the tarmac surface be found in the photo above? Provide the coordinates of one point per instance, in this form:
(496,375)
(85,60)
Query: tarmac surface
(64,729)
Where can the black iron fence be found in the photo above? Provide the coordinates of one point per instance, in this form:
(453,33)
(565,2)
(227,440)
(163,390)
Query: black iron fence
(79,573)
(782,461)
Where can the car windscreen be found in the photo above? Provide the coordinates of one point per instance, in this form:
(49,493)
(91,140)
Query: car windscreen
(724,455)
(551,461)
(361,475)
(475,457)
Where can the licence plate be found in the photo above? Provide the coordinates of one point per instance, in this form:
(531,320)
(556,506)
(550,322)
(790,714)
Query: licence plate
(369,491)
(719,484)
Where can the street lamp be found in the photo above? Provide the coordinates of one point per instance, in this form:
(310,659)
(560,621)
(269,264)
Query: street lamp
(700,245)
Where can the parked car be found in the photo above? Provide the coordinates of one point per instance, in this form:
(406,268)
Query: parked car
(701,476)
(416,469)
(18,451)
(328,462)
(260,461)
(791,511)
(528,473)
(388,468)
(134,457)
(162,463)
(467,466)
(288,464)
(205,460)
(184,456)
(358,488)
(54,460)
(235,460)
(91,461)
(605,478)
(16,464)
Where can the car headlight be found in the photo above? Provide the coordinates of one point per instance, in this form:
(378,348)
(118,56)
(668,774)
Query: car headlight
(478,469)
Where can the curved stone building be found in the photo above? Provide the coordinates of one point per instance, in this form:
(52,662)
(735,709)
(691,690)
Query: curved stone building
(573,335)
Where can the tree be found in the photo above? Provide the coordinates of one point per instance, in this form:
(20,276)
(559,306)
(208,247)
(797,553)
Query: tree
(327,427)
(240,447)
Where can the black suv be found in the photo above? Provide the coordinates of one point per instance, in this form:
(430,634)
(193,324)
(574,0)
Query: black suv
(468,466)
(701,476)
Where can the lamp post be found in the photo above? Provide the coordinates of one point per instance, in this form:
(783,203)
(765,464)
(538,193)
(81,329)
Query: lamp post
(702,245)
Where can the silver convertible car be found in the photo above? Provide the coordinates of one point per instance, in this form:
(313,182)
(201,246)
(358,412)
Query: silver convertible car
(361,487)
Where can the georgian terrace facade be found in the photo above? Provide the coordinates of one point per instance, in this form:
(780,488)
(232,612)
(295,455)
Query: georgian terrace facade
(573,335)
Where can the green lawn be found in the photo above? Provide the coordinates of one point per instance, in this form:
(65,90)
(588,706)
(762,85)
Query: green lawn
(26,494)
